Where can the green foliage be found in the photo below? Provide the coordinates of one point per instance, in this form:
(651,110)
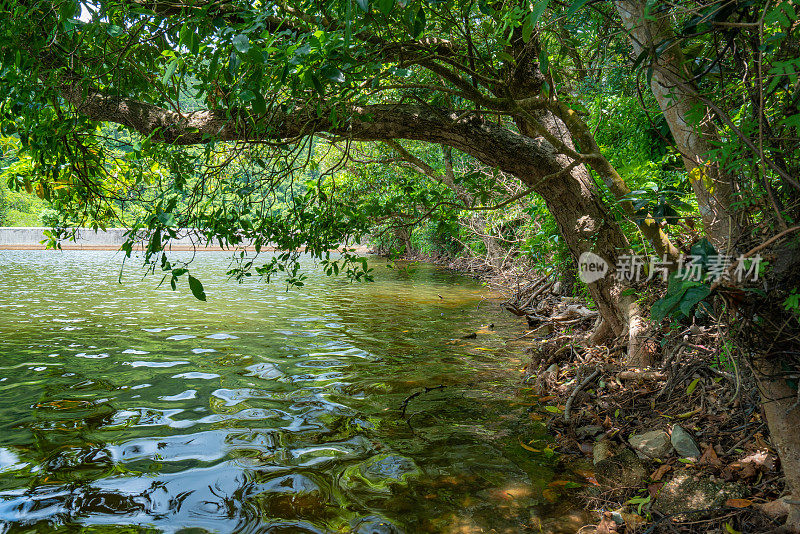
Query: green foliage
(685,293)
(682,297)
(251,65)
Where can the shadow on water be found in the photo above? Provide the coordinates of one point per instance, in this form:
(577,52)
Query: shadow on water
(335,408)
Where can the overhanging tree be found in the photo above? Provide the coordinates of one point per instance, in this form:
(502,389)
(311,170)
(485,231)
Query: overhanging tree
(202,85)
(277,75)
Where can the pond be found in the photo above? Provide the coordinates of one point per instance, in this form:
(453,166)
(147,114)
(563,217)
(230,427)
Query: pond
(336,407)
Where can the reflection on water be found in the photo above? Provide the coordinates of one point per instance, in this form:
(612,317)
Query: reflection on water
(258,411)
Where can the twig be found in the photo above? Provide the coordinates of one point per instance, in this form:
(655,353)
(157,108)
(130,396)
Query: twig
(752,251)
(746,438)
(574,394)
(417,394)
(526,334)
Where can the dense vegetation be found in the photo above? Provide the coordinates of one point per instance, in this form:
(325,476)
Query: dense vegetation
(513,132)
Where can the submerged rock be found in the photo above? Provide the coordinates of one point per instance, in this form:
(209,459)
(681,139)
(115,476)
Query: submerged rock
(654,444)
(684,444)
(374,525)
(379,473)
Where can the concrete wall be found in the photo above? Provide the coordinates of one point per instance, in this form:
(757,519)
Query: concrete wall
(86,238)
(12,238)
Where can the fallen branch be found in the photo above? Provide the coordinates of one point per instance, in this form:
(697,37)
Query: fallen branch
(574,394)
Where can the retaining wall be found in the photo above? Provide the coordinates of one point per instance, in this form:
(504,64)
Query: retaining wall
(29,238)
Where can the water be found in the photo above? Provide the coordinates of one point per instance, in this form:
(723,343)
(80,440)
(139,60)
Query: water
(131,408)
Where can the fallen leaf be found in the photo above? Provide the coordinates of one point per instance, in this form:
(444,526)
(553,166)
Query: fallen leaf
(710,457)
(738,503)
(659,473)
(528,448)
(654,488)
(760,443)
(761,458)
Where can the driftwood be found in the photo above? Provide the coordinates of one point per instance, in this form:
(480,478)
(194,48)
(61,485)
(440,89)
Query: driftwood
(572,314)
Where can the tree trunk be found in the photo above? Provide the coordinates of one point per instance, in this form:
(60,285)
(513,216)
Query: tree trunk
(403,236)
(783,419)
(587,226)
(583,219)
(712,188)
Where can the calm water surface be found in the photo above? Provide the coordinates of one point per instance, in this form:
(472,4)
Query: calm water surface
(131,408)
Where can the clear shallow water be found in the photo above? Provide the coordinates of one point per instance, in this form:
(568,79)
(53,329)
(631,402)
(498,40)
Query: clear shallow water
(127,408)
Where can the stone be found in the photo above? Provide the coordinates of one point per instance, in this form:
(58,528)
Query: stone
(374,525)
(687,492)
(602,449)
(623,470)
(653,444)
(684,444)
(589,431)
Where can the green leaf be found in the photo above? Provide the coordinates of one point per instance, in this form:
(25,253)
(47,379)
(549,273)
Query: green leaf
(68,9)
(241,43)
(640,58)
(527,28)
(114,30)
(385,6)
(533,18)
(197,288)
(194,43)
(692,386)
(692,297)
(703,248)
(332,73)
(184,35)
(505,56)
(419,23)
(171,67)
(575,6)
(259,104)
(363,4)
